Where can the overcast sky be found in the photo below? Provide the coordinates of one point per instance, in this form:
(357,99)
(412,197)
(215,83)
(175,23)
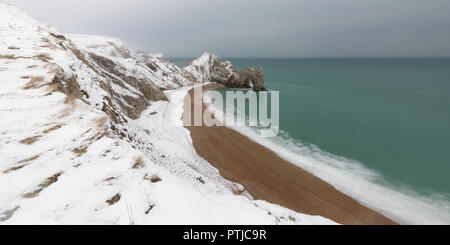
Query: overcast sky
(259,28)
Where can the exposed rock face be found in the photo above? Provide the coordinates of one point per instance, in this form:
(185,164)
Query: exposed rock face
(104,74)
(256,75)
(210,68)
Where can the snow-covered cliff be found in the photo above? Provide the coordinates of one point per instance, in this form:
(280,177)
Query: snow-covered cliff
(91,133)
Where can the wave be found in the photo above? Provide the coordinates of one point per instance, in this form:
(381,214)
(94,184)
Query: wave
(394,200)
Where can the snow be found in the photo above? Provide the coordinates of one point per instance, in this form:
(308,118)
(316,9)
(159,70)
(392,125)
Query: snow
(60,161)
(106,46)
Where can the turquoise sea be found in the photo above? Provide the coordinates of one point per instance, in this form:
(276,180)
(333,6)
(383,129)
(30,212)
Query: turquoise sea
(389,117)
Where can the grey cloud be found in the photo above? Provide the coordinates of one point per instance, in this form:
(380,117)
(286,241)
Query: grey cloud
(257,28)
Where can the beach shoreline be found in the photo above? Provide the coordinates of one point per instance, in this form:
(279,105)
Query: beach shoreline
(266,176)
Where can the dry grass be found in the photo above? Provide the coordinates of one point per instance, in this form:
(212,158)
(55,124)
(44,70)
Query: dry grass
(109,179)
(14,168)
(32,194)
(49,130)
(13,47)
(32,66)
(97,136)
(100,121)
(138,162)
(113,199)
(58,36)
(22,163)
(55,70)
(50,65)
(86,132)
(80,150)
(153,178)
(50,46)
(50,88)
(153,113)
(8,56)
(67,110)
(150,207)
(35,82)
(69,99)
(106,152)
(30,140)
(30,159)
(50,180)
(43,57)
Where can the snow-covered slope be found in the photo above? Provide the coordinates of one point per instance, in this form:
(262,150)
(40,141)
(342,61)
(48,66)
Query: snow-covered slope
(106,46)
(91,133)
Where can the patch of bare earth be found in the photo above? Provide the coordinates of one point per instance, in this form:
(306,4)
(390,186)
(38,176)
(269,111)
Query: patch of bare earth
(152,178)
(150,207)
(49,130)
(22,163)
(46,183)
(30,140)
(106,152)
(97,136)
(8,56)
(55,70)
(109,179)
(79,151)
(14,168)
(35,82)
(43,57)
(8,214)
(58,36)
(138,162)
(113,200)
(100,121)
(50,88)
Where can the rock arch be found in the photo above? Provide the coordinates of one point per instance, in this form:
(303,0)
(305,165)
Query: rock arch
(255,76)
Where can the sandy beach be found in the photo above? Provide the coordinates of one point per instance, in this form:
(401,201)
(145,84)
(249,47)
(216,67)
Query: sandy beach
(268,177)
